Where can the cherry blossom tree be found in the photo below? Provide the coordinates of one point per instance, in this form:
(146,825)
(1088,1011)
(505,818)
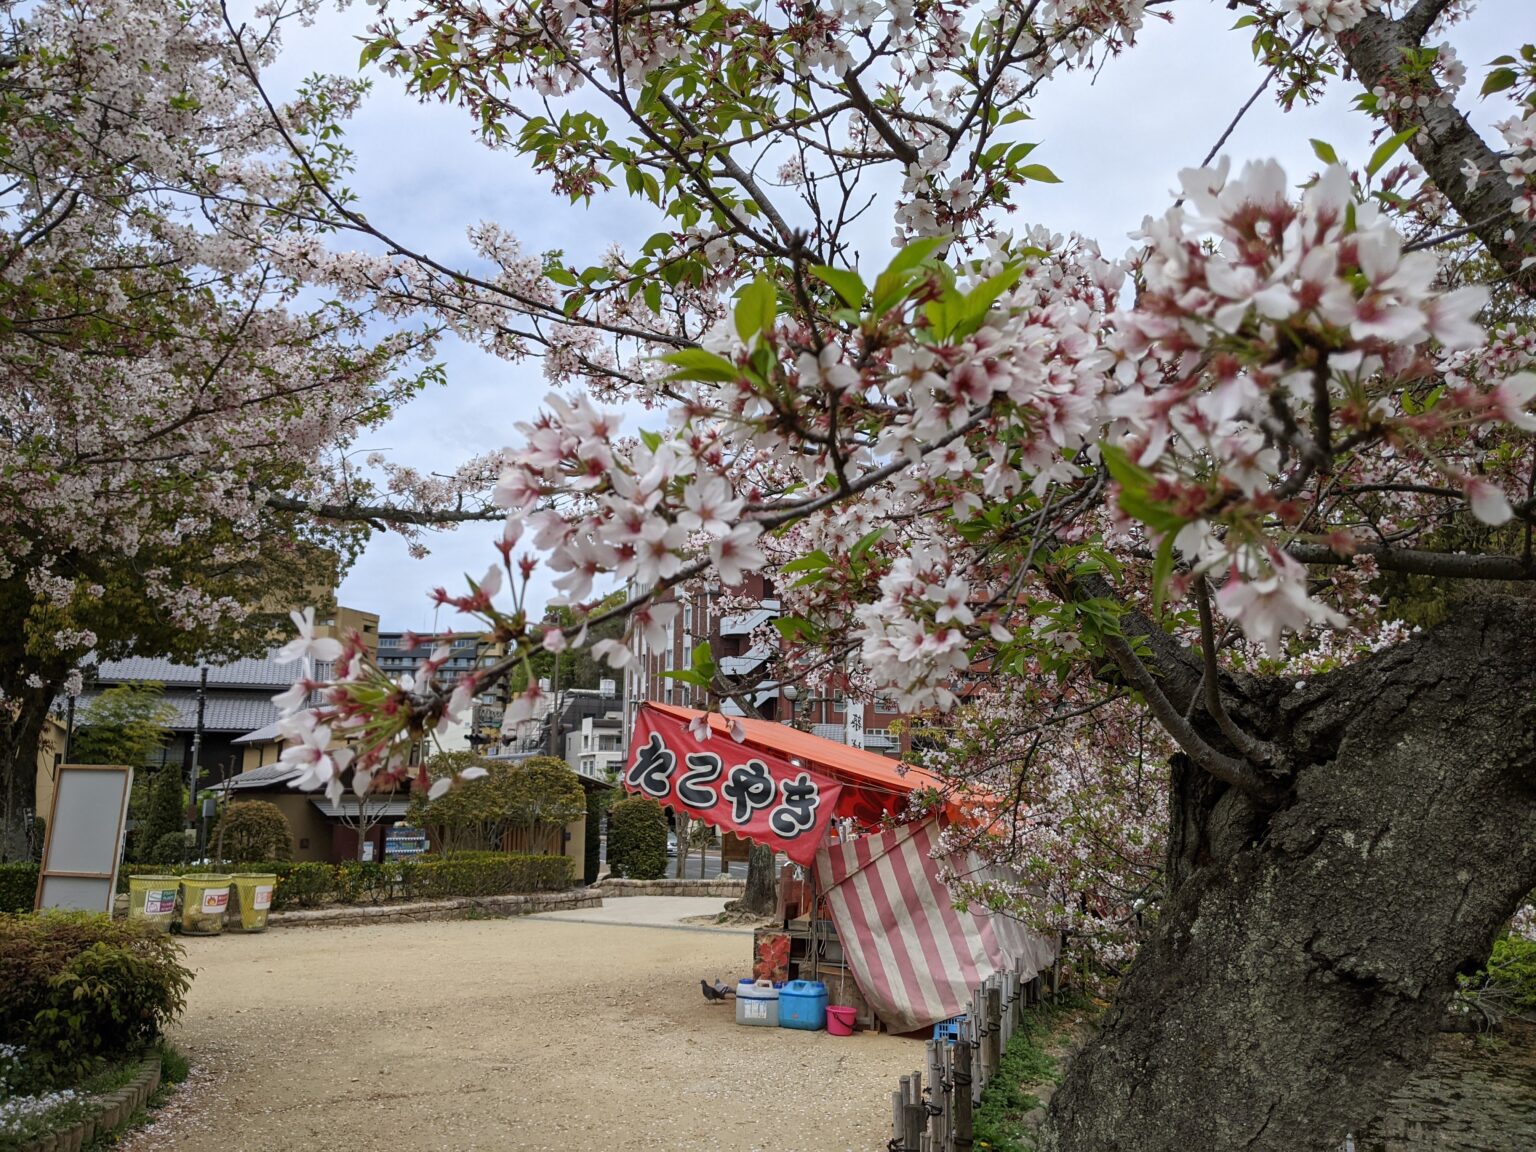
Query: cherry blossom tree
(171,401)
(1161,496)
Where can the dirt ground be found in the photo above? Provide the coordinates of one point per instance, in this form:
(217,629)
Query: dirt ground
(526,1034)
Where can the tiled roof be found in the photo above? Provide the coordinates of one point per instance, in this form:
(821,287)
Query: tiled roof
(250,673)
(266,776)
(223,711)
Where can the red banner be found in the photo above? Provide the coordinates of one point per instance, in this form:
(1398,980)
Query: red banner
(743,790)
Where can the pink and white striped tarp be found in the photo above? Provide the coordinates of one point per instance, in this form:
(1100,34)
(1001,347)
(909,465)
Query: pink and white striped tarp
(913,954)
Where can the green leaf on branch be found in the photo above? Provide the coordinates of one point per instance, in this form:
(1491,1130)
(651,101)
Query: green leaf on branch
(697,364)
(1386,149)
(1135,486)
(796,629)
(1500,79)
(848,285)
(756,306)
(1040,173)
(1324,152)
(812,562)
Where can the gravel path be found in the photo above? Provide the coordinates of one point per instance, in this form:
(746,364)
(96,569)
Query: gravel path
(527,1034)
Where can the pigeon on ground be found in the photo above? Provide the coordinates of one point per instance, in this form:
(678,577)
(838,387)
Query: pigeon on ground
(716,992)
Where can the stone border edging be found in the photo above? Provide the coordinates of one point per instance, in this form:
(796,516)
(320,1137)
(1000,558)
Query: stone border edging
(113,1109)
(517,904)
(614,886)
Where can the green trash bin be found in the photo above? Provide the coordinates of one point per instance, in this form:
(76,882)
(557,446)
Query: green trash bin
(204,900)
(152,900)
(250,899)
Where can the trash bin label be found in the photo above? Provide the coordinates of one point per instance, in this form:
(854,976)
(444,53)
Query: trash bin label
(158,901)
(263,897)
(215,900)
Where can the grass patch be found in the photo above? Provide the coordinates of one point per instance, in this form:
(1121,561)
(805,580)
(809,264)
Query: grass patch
(1002,1120)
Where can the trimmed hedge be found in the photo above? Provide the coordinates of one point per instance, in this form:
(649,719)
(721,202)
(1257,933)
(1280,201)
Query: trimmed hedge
(310,883)
(637,839)
(18,885)
(80,988)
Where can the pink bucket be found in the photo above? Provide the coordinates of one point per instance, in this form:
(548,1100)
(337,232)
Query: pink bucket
(840,1020)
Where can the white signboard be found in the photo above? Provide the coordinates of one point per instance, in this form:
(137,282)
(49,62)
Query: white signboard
(853,724)
(85,837)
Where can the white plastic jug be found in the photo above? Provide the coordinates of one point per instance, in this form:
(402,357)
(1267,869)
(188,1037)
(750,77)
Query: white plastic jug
(757,1004)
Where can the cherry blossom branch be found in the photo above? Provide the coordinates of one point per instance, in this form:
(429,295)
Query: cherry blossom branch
(1257,751)
(1229,769)
(1420,562)
(1446,144)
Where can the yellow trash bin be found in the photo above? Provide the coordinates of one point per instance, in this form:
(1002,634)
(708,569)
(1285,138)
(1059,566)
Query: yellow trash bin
(203,902)
(152,900)
(250,898)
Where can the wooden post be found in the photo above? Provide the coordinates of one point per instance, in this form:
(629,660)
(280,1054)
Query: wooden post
(994,1048)
(912,1114)
(933,1119)
(898,1113)
(964,1131)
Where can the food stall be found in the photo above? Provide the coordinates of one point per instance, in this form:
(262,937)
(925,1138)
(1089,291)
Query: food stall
(863,906)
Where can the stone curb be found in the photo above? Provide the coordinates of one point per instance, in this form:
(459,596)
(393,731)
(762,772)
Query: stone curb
(521,904)
(111,1110)
(615,887)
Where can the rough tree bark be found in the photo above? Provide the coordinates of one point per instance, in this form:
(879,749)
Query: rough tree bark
(762,894)
(1302,966)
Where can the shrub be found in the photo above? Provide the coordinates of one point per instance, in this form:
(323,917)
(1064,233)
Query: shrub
(637,839)
(311,883)
(301,885)
(18,886)
(488,874)
(1506,985)
(166,814)
(81,987)
(252,830)
(367,881)
(171,848)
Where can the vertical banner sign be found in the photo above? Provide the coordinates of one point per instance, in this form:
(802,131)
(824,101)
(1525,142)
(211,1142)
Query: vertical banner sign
(753,793)
(853,724)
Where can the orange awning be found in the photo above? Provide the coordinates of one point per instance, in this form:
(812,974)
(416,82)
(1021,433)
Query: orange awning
(874,786)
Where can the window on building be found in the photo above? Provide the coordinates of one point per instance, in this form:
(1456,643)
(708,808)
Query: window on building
(837,699)
(885,704)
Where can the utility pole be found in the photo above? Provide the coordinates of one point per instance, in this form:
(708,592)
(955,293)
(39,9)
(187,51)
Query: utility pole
(554,713)
(197,739)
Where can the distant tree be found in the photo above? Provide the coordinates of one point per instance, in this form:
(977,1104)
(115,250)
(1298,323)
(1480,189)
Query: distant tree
(637,839)
(540,795)
(126,724)
(165,815)
(252,830)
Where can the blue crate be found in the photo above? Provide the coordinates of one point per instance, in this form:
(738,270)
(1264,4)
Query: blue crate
(949,1030)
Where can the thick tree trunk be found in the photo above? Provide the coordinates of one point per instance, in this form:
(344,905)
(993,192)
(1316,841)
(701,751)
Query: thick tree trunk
(1301,969)
(762,894)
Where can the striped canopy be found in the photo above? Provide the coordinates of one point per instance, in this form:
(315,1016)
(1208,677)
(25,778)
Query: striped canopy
(914,955)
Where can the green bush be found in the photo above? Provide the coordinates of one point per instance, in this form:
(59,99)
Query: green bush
(252,830)
(166,814)
(311,883)
(18,886)
(637,839)
(364,881)
(170,848)
(304,885)
(1507,983)
(81,987)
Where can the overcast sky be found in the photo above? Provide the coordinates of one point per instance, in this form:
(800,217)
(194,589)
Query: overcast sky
(1116,141)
